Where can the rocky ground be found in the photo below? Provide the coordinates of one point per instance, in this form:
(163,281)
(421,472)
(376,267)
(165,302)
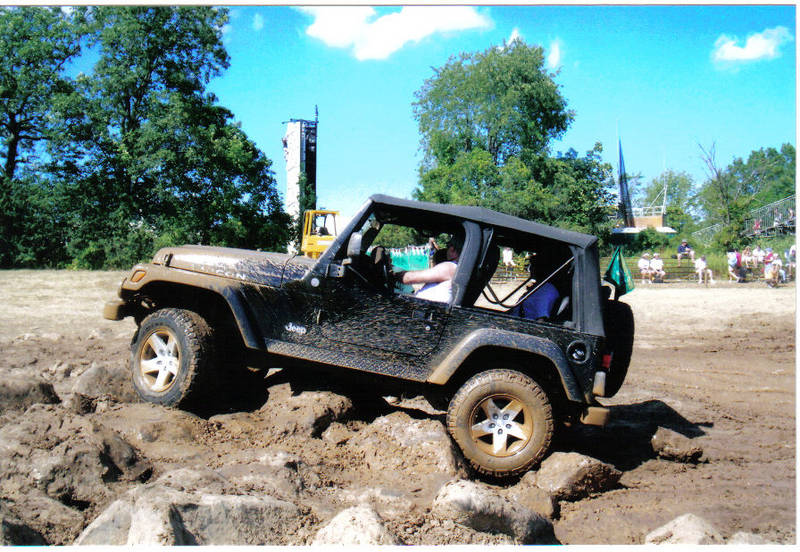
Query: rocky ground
(701,442)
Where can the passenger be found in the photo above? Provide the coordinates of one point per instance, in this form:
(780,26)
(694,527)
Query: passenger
(542,302)
(438,278)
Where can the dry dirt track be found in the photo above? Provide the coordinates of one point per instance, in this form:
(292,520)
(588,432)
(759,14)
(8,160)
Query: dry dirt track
(717,364)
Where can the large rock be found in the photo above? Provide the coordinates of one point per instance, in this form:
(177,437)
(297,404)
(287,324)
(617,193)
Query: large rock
(747,538)
(671,445)
(353,526)
(388,503)
(686,529)
(572,476)
(160,433)
(110,528)
(121,459)
(284,414)
(106,379)
(57,523)
(483,508)
(160,515)
(18,393)
(398,443)
(196,480)
(308,413)
(72,473)
(14,532)
(534,498)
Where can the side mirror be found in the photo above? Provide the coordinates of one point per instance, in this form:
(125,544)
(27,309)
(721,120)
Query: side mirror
(354,245)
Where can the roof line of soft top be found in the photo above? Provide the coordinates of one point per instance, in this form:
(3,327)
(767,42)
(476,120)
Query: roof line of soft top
(494,218)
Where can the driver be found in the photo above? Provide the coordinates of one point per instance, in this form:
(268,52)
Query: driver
(437,279)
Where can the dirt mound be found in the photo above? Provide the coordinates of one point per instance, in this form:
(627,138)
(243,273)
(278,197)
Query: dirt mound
(317,459)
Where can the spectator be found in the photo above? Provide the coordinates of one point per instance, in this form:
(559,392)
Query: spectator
(704,274)
(734,266)
(759,253)
(791,263)
(757,226)
(769,256)
(657,268)
(644,267)
(748,258)
(685,251)
(508,257)
(772,268)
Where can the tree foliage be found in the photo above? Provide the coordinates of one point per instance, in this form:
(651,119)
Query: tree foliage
(486,121)
(144,156)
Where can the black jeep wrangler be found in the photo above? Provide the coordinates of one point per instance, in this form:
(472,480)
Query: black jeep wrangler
(504,380)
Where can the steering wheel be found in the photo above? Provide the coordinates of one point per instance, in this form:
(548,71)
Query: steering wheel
(382,265)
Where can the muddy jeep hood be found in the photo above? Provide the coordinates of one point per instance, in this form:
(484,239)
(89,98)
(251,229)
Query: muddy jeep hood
(241,264)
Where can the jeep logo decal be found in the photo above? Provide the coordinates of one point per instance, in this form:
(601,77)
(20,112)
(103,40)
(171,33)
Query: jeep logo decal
(294,328)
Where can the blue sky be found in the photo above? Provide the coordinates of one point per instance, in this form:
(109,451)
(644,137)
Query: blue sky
(665,78)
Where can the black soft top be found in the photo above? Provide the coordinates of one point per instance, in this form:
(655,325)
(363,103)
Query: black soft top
(426,210)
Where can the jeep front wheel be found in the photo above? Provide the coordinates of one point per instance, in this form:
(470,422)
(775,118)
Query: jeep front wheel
(503,422)
(170,352)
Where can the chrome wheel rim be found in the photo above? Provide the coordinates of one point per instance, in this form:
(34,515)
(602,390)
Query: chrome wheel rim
(501,425)
(159,360)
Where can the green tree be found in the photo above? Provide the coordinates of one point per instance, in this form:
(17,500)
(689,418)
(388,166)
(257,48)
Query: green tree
(152,160)
(35,46)
(768,174)
(486,121)
(501,101)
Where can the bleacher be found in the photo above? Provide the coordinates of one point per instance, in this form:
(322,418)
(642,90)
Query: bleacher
(675,271)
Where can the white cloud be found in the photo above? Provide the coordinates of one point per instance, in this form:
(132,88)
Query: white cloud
(554,57)
(514,35)
(258,22)
(764,45)
(372,37)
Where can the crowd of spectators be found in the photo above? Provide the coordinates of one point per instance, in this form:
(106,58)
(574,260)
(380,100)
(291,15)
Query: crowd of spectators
(771,265)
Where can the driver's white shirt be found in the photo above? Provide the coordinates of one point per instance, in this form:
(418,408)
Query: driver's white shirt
(440,292)
(657,264)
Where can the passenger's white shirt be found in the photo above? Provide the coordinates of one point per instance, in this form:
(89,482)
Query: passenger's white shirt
(657,264)
(700,264)
(643,264)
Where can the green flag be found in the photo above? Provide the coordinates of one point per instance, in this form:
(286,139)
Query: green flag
(618,274)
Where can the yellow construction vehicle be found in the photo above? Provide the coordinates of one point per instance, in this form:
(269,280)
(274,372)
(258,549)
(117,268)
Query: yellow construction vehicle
(319,231)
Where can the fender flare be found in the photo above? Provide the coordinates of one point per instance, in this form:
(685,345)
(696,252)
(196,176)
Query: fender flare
(232,295)
(478,339)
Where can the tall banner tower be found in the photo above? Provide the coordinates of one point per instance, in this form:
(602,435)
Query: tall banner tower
(300,153)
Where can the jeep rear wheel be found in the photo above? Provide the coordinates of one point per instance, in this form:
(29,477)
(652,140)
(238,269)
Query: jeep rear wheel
(503,422)
(170,353)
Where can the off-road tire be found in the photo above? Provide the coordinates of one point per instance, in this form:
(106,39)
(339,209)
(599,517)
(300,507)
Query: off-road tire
(619,327)
(179,347)
(493,450)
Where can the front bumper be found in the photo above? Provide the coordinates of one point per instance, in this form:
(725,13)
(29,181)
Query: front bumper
(595,415)
(116,310)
